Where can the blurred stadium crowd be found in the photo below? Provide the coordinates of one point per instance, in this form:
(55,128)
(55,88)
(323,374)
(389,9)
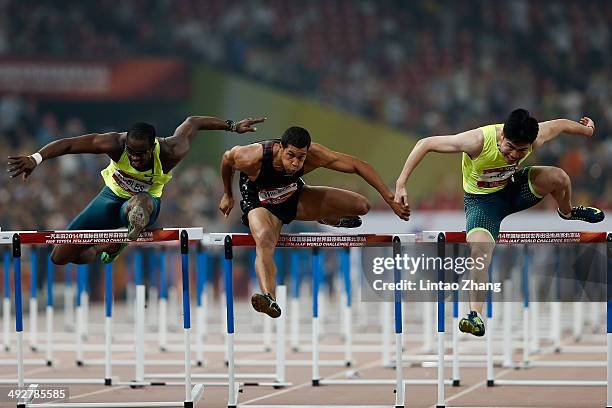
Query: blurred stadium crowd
(427,67)
(48,199)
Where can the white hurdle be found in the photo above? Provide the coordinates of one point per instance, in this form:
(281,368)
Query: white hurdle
(17,238)
(515,237)
(317,241)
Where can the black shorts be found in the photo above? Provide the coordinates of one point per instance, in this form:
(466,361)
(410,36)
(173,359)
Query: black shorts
(285,211)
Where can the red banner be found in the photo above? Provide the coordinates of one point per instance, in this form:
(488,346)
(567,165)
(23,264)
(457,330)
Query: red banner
(94,237)
(534,237)
(319,240)
(131,79)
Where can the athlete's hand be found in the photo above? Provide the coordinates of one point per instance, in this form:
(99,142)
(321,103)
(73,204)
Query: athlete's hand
(24,165)
(246,125)
(402,211)
(226,205)
(401,196)
(588,122)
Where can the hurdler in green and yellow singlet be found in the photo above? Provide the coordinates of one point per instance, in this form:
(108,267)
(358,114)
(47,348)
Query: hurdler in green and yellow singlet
(494,189)
(106,210)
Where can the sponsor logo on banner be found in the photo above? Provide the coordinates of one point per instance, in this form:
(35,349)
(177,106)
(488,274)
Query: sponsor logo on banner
(277,195)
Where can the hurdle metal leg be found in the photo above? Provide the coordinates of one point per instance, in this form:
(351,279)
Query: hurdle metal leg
(49,313)
(108,321)
(6,303)
(33,331)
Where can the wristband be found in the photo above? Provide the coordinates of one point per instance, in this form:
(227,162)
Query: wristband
(231,125)
(37,158)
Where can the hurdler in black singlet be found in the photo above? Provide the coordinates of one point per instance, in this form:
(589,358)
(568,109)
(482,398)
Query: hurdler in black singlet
(274,190)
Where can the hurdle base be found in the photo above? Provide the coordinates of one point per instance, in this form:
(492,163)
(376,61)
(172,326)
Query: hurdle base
(490,383)
(316,382)
(188,404)
(456,383)
(49,363)
(279,386)
(138,385)
(79,363)
(200,363)
(108,381)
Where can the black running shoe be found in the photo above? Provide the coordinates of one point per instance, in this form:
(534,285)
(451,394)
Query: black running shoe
(266,304)
(472,324)
(345,222)
(587,214)
(138,218)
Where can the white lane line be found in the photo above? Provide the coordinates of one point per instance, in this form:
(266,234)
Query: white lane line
(371,364)
(545,351)
(309,382)
(103,391)
(473,387)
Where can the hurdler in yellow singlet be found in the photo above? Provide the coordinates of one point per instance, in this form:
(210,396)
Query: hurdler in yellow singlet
(489,172)
(125,181)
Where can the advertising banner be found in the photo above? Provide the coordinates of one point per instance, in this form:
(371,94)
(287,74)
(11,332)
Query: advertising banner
(130,79)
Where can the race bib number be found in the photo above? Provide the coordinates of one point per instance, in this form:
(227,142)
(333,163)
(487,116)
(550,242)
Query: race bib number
(277,195)
(131,184)
(496,177)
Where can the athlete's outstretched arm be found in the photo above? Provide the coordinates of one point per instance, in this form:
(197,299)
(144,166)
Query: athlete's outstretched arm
(180,141)
(470,142)
(321,156)
(553,128)
(96,143)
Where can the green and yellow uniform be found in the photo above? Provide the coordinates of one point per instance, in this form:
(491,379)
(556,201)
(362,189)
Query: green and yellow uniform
(107,209)
(494,189)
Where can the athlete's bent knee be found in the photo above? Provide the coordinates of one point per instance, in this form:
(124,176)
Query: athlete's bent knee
(559,179)
(363,206)
(58,258)
(265,239)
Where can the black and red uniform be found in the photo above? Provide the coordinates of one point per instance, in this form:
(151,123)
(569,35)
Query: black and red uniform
(274,190)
